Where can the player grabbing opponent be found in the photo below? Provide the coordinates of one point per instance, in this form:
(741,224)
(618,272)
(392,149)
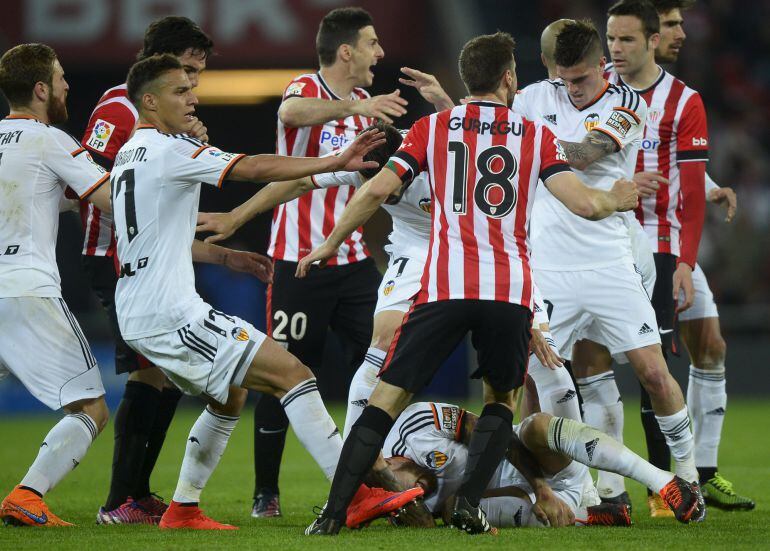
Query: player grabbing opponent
(41,342)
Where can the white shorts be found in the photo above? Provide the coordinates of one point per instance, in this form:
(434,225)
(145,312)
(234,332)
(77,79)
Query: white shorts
(644,261)
(207,355)
(42,344)
(703,305)
(607,305)
(400,282)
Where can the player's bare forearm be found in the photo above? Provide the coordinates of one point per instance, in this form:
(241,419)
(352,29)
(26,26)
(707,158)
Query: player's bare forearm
(208,253)
(590,203)
(270,196)
(299,112)
(692,183)
(100,197)
(269,168)
(593,147)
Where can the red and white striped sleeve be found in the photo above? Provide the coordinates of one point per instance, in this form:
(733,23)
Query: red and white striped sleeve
(301,87)
(412,157)
(552,157)
(109,127)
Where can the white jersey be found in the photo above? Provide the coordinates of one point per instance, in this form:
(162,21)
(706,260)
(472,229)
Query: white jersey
(428,433)
(410,214)
(562,240)
(155,189)
(37,162)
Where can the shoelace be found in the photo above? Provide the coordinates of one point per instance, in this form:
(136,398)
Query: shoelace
(674,496)
(722,484)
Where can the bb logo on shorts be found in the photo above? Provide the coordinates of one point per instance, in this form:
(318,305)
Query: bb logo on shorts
(388,287)
(239,334)
(435,459)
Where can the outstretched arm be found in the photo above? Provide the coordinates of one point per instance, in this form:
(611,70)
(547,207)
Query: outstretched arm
(591,203)
(593,147)
(238,261)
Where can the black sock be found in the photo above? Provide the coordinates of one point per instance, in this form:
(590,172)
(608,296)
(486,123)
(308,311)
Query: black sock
(133,421)
(359,453)
(489,442)
(169,399)
(706,473)
(270,425)
(657,449)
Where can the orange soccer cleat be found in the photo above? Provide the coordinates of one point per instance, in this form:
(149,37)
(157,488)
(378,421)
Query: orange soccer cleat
(24,507)
(372,503)
(685,500)
(191,517)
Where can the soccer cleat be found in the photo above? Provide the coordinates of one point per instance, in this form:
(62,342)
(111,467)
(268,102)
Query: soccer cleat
(25,508)
(372,503)
(609,514)
(718,492)
(470,519)
(180,516)
(685,500)
(130,512)
(153,504)
(623,499)
(658,507)
(266,505)
(323,526)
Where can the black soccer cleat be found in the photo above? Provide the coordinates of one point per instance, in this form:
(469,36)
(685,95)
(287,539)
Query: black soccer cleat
(685,499)
(323,526)
(470,519)
(622,499)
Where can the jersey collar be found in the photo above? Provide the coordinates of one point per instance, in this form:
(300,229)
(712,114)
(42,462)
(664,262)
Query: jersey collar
(593,101)
(486,103)
(21,117)
(658,80)
(326,86)
(145,126)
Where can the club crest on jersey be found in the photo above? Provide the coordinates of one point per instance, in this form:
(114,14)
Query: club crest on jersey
(654,116)
(425,204)
(388,287)
(591,121)
(100,135)
(436,459)
(294,89)
(239,334)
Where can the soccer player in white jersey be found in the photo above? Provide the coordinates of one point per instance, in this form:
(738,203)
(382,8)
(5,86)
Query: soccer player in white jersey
(483,163)
(428,445)
(40,341)
(156,187)
(599,126)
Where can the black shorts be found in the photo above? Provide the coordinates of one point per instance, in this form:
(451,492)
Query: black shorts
(500,333)
(340,298)
(101,272)
(663,300)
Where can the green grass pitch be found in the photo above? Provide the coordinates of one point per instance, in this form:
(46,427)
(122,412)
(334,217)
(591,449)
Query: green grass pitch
(744,458)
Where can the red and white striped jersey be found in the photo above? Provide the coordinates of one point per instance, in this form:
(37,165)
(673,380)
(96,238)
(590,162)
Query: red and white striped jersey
(109,127)
(675,133)
(484,162)
(301,225)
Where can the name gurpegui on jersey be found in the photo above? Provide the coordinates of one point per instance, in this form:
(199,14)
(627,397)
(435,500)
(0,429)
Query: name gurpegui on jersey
(301,225)
(562,240)
(155,190)
(37,162)
(108,128)
(410,212)
(483,163)
(676,133)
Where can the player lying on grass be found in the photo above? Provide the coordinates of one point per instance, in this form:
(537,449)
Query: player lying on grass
(547,459)
(156,185)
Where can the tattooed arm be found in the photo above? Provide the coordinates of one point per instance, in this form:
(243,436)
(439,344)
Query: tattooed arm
(594,146)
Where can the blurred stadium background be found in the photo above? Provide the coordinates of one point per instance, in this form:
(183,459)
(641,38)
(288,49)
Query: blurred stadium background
(261,44)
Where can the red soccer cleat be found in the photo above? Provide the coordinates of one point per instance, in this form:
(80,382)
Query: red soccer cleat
(191,517)
(153,504)
(25,508)
(685,499)
(372,503)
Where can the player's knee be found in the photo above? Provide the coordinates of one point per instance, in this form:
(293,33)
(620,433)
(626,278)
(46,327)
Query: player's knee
(534,429)
(236,399)
(712,353)
(96,409)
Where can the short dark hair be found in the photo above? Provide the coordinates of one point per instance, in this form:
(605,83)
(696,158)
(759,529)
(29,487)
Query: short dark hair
(643,10)
(484,60)
(576,42)
(145,71)
(665,6)
(21,68)
(339,27)
(381,154)
(174,35)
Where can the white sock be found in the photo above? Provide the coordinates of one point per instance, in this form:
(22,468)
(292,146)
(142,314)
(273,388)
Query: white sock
(595,449)
(205,446)
(362,385)
(313,425)
(555,389)
(509,512)
(676,430)
(707,401)
(603,410)
(61,451)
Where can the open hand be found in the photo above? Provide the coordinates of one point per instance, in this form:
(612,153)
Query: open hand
(726,197)
(321,255)
(383,107)
(428,86)
(351,159)
(251,263)
(222,224)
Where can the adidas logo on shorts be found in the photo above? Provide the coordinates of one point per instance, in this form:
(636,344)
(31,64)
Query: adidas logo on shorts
(570,394)
(644,329)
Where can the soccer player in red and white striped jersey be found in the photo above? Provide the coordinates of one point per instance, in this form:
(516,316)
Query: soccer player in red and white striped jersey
(484,162)
(320,113)
(147,407)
